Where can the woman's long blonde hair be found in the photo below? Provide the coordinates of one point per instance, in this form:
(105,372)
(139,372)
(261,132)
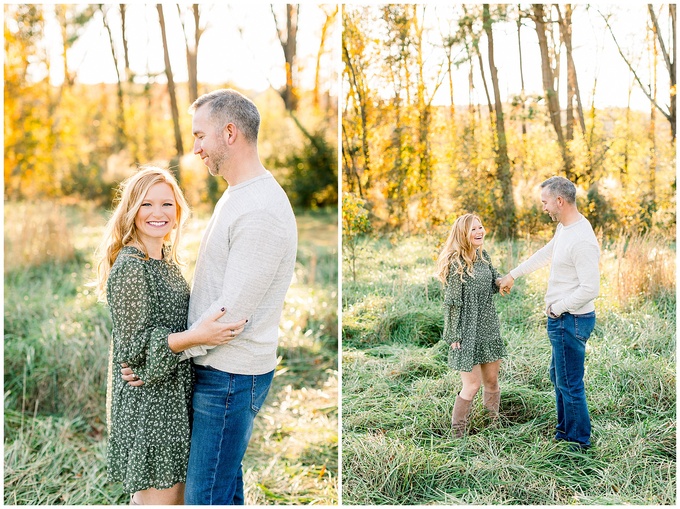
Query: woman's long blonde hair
(458,253)
(121,230)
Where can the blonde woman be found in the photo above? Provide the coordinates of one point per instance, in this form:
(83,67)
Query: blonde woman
(138,271)
(471,326)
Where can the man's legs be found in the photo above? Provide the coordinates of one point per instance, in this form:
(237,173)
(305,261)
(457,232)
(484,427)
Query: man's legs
(224,407)
(559,404)
(568,335)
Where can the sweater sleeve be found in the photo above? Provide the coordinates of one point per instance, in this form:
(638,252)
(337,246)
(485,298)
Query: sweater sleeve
(539,259)
(585,258)
(453,304)
(138,342)
(257,246)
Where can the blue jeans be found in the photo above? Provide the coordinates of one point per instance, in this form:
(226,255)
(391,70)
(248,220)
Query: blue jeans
(224,407)
(568,335)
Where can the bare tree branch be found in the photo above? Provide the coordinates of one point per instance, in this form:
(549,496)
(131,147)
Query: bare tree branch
(630,66)
(655,21)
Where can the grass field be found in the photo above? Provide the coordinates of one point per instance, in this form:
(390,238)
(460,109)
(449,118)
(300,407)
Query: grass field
(398,393)
(56,354)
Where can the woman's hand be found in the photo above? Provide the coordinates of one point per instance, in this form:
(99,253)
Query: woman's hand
(218,333)
(127,375)
(505,284)
(455,346)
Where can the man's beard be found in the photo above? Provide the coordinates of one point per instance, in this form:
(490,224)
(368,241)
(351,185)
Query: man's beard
(219,160)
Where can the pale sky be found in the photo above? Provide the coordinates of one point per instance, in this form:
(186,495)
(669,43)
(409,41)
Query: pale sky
(240,45)
(595,55)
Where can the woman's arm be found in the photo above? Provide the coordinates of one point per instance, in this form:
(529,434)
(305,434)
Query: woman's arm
(495,275)
(138,342)
(210,332)
(453,304)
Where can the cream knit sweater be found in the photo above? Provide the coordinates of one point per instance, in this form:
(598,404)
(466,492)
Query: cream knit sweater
(245,263)
(574,255)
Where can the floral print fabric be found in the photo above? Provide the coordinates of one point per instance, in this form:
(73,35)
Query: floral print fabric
(149,426)
(470,317)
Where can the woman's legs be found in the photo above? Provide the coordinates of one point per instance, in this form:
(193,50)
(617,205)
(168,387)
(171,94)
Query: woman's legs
(492,391)
(490,372)
(461,408)
(486,374)
(472,381)
(152,496)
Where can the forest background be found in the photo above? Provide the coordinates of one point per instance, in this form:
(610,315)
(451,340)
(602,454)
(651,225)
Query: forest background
(448,109)
(93,91)
(467,108)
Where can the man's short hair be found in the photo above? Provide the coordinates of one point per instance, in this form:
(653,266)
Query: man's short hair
(227,105)
(560,186)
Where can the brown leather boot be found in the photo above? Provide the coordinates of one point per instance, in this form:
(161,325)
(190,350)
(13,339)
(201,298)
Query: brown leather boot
(459,418)
(492,401)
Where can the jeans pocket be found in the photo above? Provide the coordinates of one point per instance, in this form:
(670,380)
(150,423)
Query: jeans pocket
(555,326)
(261,385)
(584,325)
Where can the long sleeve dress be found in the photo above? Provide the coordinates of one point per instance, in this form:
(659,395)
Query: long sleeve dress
(470,316)
(149,426)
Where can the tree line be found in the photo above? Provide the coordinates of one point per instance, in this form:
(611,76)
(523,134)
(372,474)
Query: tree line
(76,140)
(416,162)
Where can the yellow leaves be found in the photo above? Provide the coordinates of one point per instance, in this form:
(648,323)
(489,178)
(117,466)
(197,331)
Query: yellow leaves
(354,215)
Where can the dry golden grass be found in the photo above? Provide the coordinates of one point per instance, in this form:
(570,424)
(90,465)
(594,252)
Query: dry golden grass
(644,267)
(36,233)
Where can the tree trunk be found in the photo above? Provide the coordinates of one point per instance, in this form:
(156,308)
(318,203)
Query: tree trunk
(653,160)
(669,59)
(192,49)
(356,85)
(424,119)
(171,91)
(126,56)
(565,37)
(506,204)
(288,40)
(448,43)
(571,69)
(521,78)
(352,173)
(330,19)
(120,124)
(573,91)
(551,96)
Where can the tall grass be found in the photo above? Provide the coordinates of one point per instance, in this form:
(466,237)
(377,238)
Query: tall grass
(398,392)
(56,355)
(36,234)
(644,268)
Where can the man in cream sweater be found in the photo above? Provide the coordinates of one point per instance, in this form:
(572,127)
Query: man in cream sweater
(574,283)
(245,264)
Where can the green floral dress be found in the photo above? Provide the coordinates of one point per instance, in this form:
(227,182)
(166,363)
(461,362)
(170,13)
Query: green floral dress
(470,317)
(149,426)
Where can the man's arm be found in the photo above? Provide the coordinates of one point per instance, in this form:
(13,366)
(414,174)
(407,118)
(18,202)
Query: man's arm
(539,259)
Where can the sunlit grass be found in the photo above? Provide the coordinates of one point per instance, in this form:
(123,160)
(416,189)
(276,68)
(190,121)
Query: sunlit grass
(398,392)
(35,234)
(56,353)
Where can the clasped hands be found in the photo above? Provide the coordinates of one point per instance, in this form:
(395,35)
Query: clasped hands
(505,284)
